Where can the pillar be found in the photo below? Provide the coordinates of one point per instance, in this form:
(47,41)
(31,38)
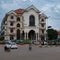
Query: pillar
(36,36)
(27,36)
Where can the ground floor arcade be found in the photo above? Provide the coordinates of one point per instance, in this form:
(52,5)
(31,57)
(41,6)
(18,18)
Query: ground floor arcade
(32,35)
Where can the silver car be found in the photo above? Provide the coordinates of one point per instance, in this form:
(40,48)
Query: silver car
(14,46)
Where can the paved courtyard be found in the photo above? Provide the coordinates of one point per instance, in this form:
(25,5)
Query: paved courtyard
(22,53)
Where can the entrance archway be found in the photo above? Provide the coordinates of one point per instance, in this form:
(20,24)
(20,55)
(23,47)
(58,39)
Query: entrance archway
(32,35)
(18,34)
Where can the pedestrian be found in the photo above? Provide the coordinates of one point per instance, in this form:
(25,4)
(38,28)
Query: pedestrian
(30,46)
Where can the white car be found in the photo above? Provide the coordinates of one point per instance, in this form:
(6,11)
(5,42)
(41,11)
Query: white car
(11,45)
(35,42)
(7,45)
(14,46)
(45,42)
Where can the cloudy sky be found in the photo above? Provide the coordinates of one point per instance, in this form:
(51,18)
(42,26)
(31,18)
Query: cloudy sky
(51,8)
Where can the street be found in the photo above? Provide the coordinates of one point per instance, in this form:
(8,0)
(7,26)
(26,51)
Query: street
(22,53)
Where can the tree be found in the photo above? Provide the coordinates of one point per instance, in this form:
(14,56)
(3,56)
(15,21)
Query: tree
(1,38)
(52,34)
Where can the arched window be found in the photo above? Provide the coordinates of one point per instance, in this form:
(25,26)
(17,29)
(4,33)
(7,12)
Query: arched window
(18,34)
(11,37)
(42,20)
(11,17)
(18,25)
(32,20)
(18,18)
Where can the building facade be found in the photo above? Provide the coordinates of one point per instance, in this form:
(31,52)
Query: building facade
(27,23)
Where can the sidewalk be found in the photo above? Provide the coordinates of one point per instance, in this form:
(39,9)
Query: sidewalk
(41,46)
(49,46)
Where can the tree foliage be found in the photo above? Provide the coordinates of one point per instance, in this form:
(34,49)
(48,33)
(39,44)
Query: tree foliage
(52,34)
(1,38)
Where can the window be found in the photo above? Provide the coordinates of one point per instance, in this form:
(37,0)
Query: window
(11,23)
(3,33)
(12,17)
(18,25)
(11,30)
(18,34)
(32,20)
(18,18)
(11,37)
(43,31)
(42,20)
(42,25)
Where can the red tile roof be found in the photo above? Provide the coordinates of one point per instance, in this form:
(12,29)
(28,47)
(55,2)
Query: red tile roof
(19,11)
(58,32)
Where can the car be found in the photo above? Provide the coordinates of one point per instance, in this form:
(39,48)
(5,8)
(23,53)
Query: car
(35,42)
(44,42)
(7,47)
(6,41)
(14,46)
(11,45)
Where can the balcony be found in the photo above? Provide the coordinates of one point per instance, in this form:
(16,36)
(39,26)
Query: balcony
(12,27)
(42,27)
(12,20)
(12,33)
(43,22)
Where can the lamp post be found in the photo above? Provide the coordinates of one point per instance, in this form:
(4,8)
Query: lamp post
(47,36)
(47,33)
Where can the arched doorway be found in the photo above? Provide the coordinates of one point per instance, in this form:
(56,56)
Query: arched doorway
(32,35)
(18,34)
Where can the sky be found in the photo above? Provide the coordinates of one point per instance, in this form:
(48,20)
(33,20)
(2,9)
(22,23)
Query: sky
(51,8)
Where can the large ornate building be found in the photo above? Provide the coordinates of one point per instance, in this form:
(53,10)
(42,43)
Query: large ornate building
(27,23)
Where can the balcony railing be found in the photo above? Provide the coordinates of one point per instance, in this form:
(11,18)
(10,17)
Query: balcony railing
(12,27)
(42,27)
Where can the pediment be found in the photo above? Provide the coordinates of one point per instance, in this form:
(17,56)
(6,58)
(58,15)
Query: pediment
(32,7)
(12,12)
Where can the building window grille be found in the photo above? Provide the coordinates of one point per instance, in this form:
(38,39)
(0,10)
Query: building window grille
(11,23)
(12,17)
(42,20)
(42,25)
(32,20)
(11,37)
(43,31)
(11,30)
(18,25)
(18,18)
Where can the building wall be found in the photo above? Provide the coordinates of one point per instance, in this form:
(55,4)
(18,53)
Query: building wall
(24,24)
(26,21)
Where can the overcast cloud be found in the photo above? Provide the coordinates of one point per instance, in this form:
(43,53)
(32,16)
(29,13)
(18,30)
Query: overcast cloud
(51,8)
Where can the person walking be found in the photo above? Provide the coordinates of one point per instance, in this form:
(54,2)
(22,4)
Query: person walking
(30,46)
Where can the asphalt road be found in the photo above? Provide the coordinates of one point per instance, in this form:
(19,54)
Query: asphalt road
(22,53)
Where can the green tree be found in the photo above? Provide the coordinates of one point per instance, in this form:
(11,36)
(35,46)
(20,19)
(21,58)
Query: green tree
(52,34)
(1,38)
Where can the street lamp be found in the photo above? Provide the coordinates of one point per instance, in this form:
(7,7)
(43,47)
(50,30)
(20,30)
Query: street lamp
(47,33)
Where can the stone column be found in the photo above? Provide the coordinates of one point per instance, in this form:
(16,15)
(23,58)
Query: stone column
(36,36)
(20,34)
(27,36)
